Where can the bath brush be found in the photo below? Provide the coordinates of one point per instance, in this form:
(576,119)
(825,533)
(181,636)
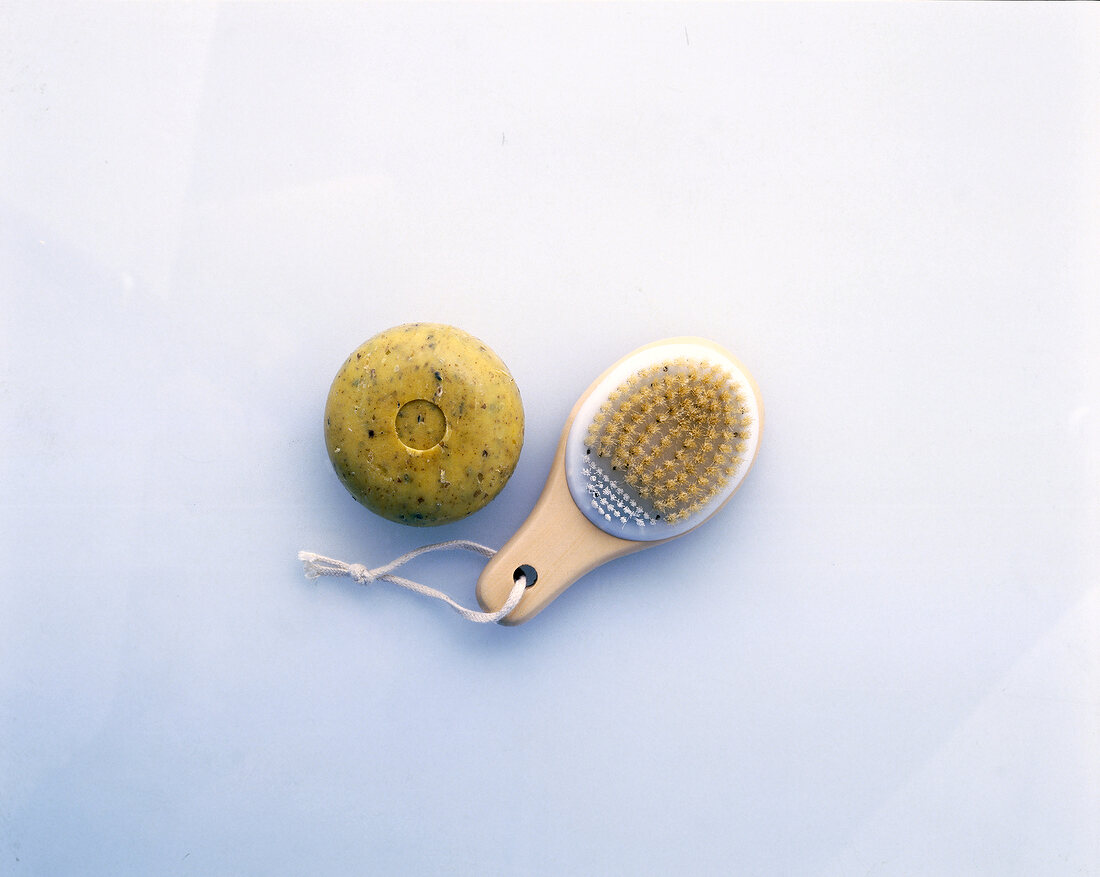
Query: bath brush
(653,448)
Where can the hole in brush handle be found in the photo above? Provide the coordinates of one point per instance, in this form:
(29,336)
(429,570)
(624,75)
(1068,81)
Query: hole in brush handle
(527,571)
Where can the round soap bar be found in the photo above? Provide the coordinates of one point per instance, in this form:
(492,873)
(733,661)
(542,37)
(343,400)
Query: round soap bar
(424,424)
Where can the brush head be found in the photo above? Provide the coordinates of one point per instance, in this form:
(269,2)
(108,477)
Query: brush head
(663,440)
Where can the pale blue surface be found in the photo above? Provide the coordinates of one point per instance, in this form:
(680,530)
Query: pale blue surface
(880,658)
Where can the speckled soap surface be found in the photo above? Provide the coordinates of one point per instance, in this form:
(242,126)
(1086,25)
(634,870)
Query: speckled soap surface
(424,424)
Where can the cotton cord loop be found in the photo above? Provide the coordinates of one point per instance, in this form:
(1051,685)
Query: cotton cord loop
(317,565)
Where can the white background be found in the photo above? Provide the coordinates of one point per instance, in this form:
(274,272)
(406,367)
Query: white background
(881,658)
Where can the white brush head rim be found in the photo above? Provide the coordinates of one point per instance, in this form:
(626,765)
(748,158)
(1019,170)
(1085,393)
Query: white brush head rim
(579,471)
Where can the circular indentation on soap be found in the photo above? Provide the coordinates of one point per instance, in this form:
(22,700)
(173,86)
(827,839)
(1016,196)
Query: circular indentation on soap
(420,425)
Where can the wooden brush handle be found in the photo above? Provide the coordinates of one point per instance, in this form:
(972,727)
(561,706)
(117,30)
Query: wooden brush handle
(557,541)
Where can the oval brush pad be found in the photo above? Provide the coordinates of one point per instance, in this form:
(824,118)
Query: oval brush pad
(654,447)
(662,441)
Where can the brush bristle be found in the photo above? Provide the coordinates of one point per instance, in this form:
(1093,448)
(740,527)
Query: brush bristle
(675,432)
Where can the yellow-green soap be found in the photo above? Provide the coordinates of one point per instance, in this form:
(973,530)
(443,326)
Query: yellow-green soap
(424,424)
